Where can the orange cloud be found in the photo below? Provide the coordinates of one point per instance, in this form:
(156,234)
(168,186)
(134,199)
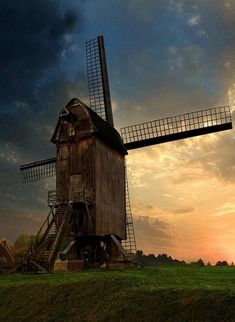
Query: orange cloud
(188,186)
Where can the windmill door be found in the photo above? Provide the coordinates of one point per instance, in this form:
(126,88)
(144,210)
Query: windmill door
(76,188)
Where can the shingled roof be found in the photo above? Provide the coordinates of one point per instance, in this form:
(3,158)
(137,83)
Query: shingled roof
(97,126)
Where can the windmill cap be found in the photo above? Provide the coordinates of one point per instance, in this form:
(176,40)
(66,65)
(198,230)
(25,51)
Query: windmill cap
(77,112)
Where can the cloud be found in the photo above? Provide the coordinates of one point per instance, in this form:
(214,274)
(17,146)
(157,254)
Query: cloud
(225,209)
(33,87)
(203,234)
(183,211)
(194,21)
(213,156)
(33,36)
(19,222)
(30,45)
(176,68)
(158,232)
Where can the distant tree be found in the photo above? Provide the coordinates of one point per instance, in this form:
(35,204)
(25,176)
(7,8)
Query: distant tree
(139,256)
(199,263)
(151,259)
(164,259)
(24,241)
(232,264)
(221,263)
(139,253)
(208,264)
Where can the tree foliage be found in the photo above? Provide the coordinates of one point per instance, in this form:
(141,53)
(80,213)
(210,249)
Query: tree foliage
(151,259)
(24,241)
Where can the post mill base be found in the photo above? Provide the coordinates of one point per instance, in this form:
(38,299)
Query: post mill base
(78,265)
(93,252)
(68,265)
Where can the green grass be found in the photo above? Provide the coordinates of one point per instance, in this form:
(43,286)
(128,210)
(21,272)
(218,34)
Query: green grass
(164,293)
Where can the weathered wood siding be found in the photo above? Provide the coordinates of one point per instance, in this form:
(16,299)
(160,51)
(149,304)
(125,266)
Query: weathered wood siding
(63,172)
(110,190)
(84,160)
(76,158)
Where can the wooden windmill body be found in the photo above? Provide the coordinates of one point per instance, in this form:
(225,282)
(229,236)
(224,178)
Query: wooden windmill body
(91,170)
(90,221)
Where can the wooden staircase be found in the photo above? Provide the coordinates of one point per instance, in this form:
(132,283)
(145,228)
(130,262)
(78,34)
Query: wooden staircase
(45,249)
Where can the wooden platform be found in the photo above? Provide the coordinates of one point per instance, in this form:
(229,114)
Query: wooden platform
(68,265)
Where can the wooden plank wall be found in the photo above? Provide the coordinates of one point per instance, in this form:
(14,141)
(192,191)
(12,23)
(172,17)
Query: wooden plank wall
(110,190)
(76,158)
(63,172)
(102,169)
(82,160)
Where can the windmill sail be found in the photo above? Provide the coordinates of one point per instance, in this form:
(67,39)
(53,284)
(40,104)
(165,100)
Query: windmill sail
(38,170)
(98,84)
(177,127)
(129,244)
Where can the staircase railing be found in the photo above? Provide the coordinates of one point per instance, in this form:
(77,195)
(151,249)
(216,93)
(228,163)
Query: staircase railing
(52,198)
(84,195)
(59,236)
(46,224)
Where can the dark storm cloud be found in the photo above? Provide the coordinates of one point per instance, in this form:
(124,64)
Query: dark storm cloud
(30,128)
(31,39)
(18,222)
(175,56)
(32,90)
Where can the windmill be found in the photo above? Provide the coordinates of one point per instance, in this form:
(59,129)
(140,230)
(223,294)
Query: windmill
(90,221)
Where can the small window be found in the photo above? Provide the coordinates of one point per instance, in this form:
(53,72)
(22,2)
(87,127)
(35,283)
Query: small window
(64,151)
(71,130)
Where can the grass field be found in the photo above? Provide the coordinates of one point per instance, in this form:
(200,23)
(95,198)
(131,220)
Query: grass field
(163,293)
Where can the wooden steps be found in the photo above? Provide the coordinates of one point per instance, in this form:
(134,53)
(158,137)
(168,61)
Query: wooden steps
(46,246)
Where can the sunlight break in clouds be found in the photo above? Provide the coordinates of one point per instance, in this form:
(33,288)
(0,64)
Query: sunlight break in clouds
(183,188)
(194,21)
(231,97)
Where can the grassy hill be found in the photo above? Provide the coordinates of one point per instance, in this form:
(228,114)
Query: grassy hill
(163,293)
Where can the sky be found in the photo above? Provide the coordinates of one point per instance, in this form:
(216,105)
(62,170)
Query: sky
(164,57)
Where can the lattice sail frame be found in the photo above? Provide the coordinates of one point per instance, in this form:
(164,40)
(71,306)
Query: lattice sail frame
(129,244)
(177,127)
(98,84)
(38,170)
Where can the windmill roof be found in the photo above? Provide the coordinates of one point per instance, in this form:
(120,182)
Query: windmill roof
(6,257)
(98,127)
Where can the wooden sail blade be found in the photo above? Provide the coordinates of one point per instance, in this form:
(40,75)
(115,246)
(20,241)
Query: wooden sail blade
(177,127)
(98,84)
(38,170)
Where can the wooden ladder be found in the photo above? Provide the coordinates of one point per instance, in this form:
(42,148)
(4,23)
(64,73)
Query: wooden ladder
(129,244)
